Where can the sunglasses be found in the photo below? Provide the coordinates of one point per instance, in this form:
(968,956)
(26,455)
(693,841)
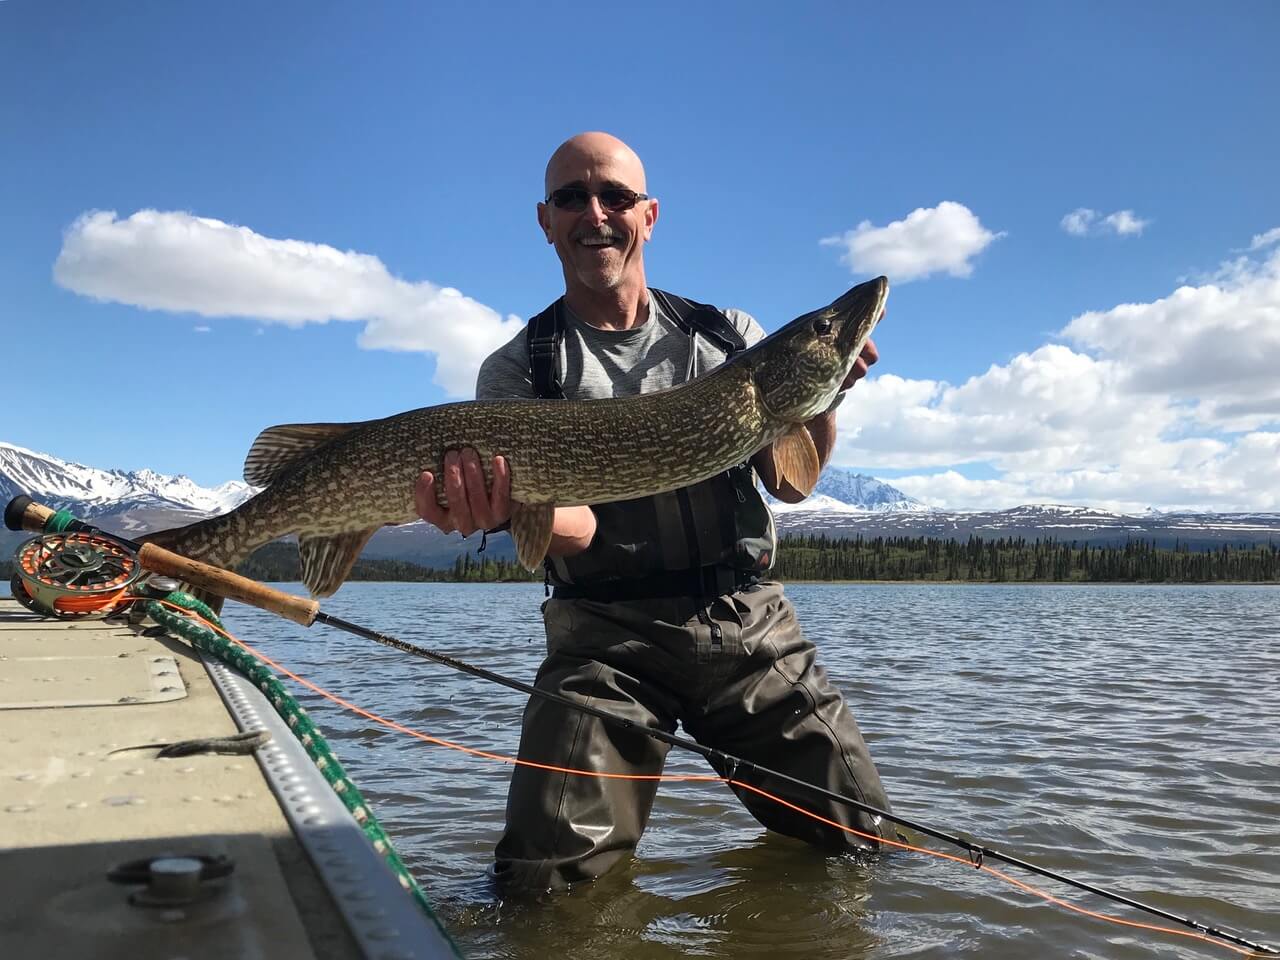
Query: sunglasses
(613,199)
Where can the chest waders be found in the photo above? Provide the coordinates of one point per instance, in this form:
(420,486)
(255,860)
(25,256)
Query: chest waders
(664,620)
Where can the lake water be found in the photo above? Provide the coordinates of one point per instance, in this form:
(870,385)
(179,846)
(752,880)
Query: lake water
(1124,735)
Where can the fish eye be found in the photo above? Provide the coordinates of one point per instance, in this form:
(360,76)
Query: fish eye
(822,326)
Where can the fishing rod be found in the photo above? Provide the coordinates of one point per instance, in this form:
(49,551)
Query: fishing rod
(23,513)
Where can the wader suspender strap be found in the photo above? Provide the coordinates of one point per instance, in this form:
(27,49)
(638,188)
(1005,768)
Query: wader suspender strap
(701,318)
(545,333)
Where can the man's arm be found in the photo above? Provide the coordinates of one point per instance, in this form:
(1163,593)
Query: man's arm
(822,429)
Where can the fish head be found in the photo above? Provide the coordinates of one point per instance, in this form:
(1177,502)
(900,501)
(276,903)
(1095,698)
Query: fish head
(798,370)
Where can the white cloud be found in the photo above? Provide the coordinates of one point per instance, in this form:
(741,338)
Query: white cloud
(948,488)
(1083,222)
(1261,240)
(181,263)
(1077,221)
(202,329)
(940,239)
(1125,223)
(1216,346)
(1173,403)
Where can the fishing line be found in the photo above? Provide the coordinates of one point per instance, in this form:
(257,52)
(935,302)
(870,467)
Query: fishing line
(977,854)
(23,513)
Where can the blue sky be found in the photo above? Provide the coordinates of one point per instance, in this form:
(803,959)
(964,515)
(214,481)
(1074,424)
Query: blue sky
(373,156)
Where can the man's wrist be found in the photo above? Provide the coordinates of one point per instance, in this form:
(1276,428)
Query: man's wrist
(574,531)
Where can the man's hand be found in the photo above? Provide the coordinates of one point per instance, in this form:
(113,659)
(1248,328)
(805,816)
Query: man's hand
(473,504)
(476,505)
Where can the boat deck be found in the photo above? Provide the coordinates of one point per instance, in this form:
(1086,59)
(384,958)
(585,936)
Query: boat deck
(77,800)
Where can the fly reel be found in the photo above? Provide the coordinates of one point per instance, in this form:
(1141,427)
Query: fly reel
(73,575)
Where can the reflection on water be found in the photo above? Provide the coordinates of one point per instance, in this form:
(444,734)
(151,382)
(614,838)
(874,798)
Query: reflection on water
(1123,735)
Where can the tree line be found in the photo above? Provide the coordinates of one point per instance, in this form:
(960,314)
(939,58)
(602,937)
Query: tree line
(821,557)
(1019,560)
(279,562)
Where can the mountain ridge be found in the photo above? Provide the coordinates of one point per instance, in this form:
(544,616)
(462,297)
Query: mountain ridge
(844,504)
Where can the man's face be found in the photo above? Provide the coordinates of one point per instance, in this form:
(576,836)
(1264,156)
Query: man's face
(597,248)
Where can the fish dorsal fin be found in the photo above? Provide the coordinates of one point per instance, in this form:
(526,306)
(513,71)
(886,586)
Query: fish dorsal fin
(326,561)
(795,459)
(531,530)
(277,448)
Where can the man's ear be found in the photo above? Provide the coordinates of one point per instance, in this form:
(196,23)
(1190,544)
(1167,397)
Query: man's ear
(650,218)
(544,221)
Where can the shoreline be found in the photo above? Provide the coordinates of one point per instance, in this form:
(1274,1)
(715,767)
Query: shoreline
(5,592)
(1058,583)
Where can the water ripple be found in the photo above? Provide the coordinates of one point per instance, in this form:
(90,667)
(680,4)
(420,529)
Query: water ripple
(1124,735)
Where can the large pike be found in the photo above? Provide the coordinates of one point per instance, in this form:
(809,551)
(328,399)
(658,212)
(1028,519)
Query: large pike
(335,484)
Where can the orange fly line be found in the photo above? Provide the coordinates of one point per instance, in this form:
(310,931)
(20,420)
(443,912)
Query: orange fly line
(711,778)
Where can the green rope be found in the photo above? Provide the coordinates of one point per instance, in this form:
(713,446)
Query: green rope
(303,728)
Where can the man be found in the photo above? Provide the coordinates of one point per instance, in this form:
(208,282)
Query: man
(661,612)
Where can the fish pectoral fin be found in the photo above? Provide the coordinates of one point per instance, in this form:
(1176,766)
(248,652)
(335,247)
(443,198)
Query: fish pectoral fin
(326,561)
(531,530)
(795,459)
(279,447)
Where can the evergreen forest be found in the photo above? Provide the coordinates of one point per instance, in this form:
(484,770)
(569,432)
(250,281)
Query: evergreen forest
(1019,560)
(819,557)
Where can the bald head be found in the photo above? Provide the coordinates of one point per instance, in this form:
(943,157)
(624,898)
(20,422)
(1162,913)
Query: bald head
(594,151)
(600,242)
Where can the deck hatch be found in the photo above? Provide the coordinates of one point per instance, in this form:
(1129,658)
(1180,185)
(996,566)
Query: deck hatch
(88,681)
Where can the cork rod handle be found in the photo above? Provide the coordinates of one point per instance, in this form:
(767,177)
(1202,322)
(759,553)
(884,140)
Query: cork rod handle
(23,513)
(228,584)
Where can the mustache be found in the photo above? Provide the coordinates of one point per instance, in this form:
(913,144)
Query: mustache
(603,232)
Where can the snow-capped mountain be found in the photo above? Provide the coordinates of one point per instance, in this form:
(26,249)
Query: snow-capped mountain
(128,503)
(58,483)
(141,501)
(1196,530)
(845,504)
(843,491)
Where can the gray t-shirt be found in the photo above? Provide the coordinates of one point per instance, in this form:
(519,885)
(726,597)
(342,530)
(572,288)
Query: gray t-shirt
(598,364)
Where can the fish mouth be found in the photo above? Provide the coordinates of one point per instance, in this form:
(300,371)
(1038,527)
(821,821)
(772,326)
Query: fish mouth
(862,307)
